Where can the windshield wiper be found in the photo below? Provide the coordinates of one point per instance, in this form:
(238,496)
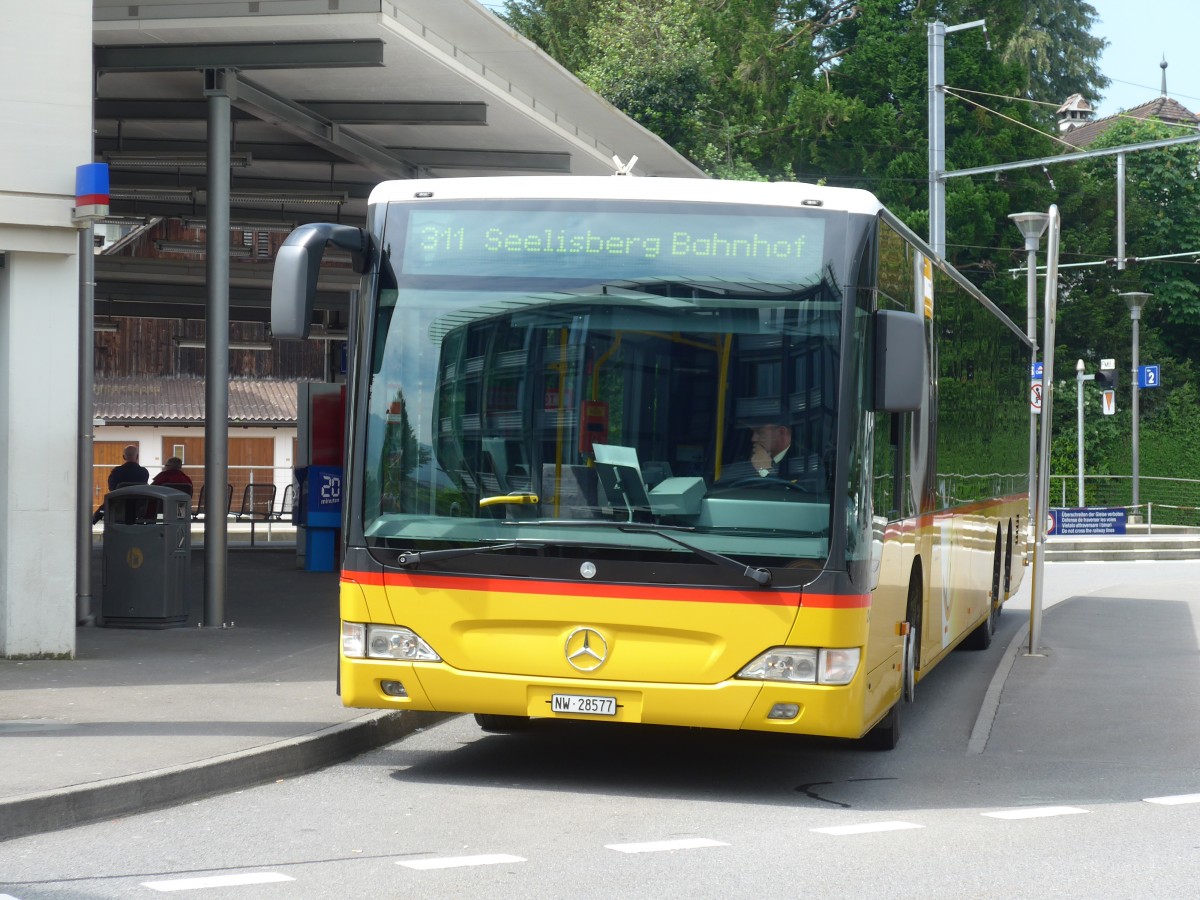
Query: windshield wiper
(759,576)
(409,559)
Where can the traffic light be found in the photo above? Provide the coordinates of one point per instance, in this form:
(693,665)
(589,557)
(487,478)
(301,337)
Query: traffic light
(1106,379)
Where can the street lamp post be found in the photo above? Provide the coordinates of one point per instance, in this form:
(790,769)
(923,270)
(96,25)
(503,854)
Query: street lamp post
(1135,300)
(1032,226)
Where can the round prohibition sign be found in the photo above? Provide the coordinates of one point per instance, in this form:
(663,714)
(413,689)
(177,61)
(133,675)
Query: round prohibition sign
(1035,396)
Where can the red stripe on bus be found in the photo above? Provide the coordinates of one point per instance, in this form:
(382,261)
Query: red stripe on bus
(835,601)
(625,592)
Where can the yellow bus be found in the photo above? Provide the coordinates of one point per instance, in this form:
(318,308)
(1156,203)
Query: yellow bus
(700,453)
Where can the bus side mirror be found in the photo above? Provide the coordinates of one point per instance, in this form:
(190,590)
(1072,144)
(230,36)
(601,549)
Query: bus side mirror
(900,376)
(297,268)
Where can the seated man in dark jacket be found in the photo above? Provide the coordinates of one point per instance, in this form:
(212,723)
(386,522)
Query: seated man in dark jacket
(128,472)
(771,453)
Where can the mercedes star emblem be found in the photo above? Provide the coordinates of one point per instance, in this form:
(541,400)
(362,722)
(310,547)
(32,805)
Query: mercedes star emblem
(586,649)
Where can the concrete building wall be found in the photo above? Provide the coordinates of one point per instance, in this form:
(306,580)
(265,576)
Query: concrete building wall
(45,132)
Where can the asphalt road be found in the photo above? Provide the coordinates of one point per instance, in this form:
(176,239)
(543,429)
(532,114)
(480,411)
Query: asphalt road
(607,811)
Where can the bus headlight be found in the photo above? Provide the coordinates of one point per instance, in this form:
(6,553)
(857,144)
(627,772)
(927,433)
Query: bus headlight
(391,642)
(804,665)
(796,664)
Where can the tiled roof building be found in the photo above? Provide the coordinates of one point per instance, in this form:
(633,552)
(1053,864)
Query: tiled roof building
(1078,129)
(1162,108)
(155,400)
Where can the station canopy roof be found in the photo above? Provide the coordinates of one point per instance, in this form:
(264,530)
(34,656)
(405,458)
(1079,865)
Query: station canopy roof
(328,98)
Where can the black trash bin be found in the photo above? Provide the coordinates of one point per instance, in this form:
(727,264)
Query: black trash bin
(147,550)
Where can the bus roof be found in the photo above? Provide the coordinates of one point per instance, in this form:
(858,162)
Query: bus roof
(759,193)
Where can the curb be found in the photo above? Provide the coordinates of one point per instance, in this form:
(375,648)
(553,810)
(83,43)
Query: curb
(129,794)
(991,700)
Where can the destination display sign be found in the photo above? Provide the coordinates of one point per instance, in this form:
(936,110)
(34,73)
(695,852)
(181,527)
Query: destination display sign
(612,245)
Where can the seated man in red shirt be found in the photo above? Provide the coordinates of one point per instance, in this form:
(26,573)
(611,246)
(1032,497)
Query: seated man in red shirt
(173,476)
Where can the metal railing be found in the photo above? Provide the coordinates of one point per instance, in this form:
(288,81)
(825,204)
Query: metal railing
(1169,504)
(253,520)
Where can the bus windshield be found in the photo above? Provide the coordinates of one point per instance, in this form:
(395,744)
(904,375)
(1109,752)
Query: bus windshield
(601,374)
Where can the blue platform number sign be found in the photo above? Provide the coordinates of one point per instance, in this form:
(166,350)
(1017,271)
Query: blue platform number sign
(1148,377)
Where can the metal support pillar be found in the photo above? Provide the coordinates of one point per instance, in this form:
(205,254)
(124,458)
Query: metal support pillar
(937,137)
(1120,212)
(216,358)
(87,366)
(936,32)
(1032,226)
(1049,319)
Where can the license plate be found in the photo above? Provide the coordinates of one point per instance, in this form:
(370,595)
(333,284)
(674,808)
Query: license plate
(580,704)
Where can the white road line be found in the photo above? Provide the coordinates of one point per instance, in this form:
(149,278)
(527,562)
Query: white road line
(212,881)
(658,846)
(1037,812)
(1177,800)
(453,862)
(866,828)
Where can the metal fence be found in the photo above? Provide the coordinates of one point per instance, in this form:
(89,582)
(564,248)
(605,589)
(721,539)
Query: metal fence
(1169,503)
(257,508)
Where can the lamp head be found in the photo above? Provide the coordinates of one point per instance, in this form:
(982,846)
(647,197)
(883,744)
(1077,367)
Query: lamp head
(1032,225)
(1135,300)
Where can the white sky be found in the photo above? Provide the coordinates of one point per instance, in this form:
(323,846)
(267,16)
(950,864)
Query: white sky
(1140,33)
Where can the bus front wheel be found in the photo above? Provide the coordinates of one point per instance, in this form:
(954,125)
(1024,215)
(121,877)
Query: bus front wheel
(886,734)
(494,724)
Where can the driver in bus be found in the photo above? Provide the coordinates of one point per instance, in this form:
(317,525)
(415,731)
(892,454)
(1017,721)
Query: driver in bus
(770,449)
(771,452)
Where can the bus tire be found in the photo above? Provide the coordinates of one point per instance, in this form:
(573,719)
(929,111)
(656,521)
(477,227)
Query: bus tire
(886,733)
(911,660)
(908,671)
(494,724)
(981,637)
(1008,553)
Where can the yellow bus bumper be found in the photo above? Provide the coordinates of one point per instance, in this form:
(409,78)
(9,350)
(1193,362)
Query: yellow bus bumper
(825,710)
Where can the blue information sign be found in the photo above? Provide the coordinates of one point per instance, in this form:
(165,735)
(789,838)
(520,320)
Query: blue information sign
(1086,520)
(1148,376)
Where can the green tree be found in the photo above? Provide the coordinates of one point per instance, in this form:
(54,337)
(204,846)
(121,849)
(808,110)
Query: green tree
(1054,45)
(560,27)
(654,63)
(728,84)
(1162,218)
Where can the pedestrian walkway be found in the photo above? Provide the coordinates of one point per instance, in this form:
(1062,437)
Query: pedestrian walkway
(147,718)
(1117,675)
